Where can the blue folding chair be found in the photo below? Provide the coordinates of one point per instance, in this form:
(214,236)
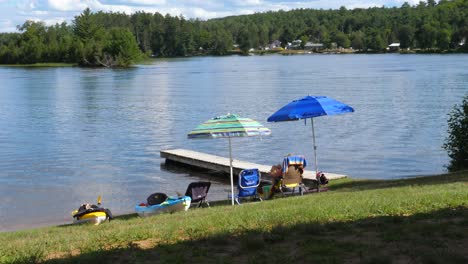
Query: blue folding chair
(249,180)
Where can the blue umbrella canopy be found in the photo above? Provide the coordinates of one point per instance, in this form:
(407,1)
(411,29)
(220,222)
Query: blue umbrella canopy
(310,107)
(228,126)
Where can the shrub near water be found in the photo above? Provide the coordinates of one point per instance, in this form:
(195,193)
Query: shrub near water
(457,141)
(356,221)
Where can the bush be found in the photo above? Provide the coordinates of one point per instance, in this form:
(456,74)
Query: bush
(457,141)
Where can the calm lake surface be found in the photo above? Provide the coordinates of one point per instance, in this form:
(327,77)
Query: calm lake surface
(70,134)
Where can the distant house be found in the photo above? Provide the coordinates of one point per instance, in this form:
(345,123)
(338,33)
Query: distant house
(462,42)
(296,44)
(393,47)
(313,46)
(275,44)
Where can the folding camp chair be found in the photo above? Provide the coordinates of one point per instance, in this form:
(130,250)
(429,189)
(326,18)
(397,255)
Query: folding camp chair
(292,179)
(198,191)
(249,180)
(293,167)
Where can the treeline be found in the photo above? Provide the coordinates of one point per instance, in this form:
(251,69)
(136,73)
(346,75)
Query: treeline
(117,39)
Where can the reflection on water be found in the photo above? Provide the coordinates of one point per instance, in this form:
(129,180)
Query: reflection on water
(70,134)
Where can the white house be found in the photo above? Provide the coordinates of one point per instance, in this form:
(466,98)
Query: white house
(313,46)
(393,47)
(275,44)
(296,44)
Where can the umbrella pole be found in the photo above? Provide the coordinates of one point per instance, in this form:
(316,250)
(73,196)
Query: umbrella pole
(230,166)
(315,154)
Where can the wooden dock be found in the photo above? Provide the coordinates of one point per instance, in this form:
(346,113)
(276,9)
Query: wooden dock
(217,163)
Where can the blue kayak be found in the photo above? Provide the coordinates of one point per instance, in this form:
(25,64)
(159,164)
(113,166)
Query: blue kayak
(170,205)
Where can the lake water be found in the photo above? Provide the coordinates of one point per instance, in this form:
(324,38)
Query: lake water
(70,134)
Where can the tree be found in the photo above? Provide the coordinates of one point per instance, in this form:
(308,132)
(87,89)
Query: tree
(92,39)
(243,41)
(357,42)
(186,43)
(304,40)
(84,26)
(427,25)
(426,36)
(286,36)
(406,36)
(122,49)
(443,39)
(263,39)
(142,27)
(405,5)
(375,42)
(100,45)
(253,36)
(221,42)
(457,141)
(32,45)
(342,39)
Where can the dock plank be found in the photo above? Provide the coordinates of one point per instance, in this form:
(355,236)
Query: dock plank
(217,163)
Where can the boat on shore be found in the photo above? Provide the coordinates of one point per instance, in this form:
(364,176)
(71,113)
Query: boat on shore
(90,213)
(94,218)
(169,205)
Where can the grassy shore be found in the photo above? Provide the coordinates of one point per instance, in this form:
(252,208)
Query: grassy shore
(418,220)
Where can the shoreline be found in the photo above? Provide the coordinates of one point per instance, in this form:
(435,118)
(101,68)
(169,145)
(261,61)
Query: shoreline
(257,52)
(213,203)
(26,228)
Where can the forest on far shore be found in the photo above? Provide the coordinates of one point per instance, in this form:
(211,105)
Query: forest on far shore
(117,39)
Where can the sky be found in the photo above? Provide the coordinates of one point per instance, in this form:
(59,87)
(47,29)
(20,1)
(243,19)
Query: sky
(16,12)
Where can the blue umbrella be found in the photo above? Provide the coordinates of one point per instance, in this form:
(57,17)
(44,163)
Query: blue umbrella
(310,107)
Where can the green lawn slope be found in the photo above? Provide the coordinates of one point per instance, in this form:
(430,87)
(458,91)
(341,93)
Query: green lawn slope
(417,220)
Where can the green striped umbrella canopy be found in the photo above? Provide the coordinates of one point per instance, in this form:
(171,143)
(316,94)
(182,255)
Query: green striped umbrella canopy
(228,126)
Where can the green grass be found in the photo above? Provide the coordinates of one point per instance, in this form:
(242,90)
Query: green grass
(419,220)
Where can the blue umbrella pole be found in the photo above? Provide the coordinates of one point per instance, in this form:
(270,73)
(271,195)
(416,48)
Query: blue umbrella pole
(230,167)
(315,147)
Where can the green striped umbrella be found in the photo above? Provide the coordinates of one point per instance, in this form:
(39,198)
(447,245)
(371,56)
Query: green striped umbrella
(229,126)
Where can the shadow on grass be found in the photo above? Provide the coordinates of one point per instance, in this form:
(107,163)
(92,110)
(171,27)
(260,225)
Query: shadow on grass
(379,184)
(436,237)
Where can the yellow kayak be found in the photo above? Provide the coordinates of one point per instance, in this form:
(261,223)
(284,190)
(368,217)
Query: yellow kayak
(90,213)
(93,218)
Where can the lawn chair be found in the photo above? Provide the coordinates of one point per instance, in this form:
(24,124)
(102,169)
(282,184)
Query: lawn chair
(293,167)
(198,191)
(249,180)
(292,179)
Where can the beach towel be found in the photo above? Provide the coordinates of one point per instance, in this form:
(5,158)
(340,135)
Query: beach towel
(296,160)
